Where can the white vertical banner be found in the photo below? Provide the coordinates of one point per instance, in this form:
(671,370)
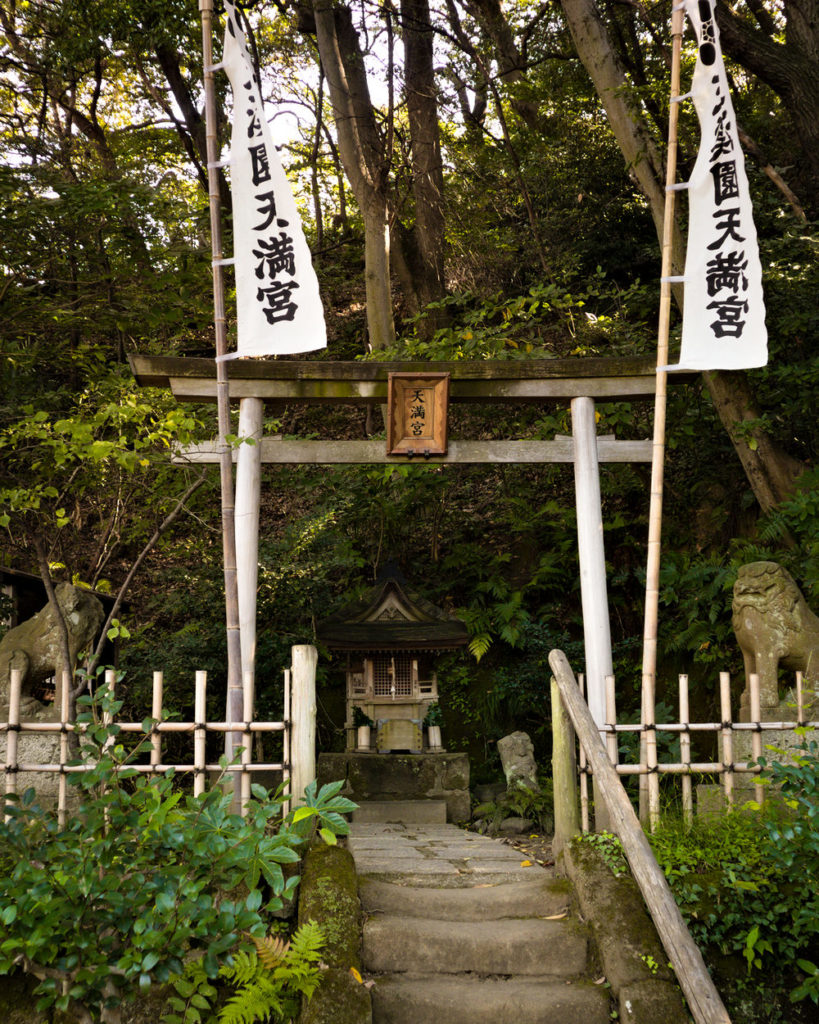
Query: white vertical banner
(724,313)
(277,296)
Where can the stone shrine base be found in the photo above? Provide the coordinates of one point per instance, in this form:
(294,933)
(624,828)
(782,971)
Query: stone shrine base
(401,777)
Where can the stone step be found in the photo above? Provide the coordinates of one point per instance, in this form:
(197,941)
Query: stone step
(395,943)
(543,898)
(433,999)
(421,812)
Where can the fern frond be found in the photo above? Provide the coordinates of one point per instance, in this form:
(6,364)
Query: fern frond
(307,944)
(254,1003)
(271,950)
(244,969)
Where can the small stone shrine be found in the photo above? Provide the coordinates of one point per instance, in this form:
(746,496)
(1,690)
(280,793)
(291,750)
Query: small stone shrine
(391,640)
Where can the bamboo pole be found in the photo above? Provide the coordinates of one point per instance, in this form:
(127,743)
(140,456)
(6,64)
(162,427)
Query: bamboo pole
(247,744)
(652,772)
(286,771)
(685,753)
(62,781)
(611,721)
(584,775)
(756,735)
(703,999)
(727,737)
(800,701)
(234,700)
(199,735)
(156,715)
(649,670)
(12,734)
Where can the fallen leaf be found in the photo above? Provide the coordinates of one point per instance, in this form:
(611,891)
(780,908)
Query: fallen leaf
(525,863)
(557,917)
(601,981)
(356,974)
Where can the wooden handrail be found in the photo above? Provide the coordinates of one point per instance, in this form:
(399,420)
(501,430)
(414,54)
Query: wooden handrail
(703,999)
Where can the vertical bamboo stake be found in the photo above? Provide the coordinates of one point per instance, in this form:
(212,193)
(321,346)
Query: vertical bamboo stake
(756,735)
(156,715)
(564,774)
(111,683)
(584,777)
(649,670)
(727,737)
(247,742)
(651,753)
(199,716)
(685,753)
(12,734)
(234,701)
(800,705)
(611,720)
(286,773)
(62,782)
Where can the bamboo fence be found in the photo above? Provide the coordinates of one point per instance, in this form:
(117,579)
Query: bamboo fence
(152,762)
(727,729)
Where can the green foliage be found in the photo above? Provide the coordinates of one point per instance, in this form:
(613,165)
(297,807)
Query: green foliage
(537,805)
(434,715)
(746,882)
(271,979)
(608,847)
(361,718)
(141,874)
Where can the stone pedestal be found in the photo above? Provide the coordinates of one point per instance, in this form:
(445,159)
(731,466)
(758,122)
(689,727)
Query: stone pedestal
(401,777)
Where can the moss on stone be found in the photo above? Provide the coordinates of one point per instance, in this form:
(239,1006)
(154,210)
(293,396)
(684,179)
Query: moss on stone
(329,896)
(339,999)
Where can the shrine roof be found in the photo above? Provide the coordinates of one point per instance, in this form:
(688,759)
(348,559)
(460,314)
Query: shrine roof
(392,617)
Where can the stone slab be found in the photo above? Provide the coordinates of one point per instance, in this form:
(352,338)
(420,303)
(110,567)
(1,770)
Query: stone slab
(540,898)
(425,812)
(431,999)
(519,947)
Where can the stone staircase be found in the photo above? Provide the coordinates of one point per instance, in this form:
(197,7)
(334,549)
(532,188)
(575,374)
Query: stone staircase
(457,931)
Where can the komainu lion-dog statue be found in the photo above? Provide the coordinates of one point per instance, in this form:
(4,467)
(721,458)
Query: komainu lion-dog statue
(774,626)
(34,647)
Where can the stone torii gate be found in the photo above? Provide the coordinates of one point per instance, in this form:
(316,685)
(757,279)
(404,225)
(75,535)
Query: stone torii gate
(581,381)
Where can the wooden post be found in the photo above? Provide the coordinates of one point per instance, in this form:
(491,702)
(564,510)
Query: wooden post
(584,775)
(596,629)
(247,744)
(686,959)
(564,775)
(611,720)
(303,735)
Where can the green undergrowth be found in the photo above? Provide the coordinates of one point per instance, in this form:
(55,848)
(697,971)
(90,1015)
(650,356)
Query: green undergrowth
(747,883)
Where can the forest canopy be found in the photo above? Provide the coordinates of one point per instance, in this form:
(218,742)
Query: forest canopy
(477,180)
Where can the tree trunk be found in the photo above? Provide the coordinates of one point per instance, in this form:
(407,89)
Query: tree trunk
(362,155)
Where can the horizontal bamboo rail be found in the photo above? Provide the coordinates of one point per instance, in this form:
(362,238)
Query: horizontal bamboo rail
(703,999)
(154,764)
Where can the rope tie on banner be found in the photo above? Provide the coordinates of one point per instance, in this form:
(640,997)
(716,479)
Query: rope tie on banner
(679,187)
(675,279)
(214,67)
(227,356)
(681,97)
(228,261)
(215,164)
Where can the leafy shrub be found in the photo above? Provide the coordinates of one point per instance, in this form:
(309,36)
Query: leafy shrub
(140,876)
(747,883)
